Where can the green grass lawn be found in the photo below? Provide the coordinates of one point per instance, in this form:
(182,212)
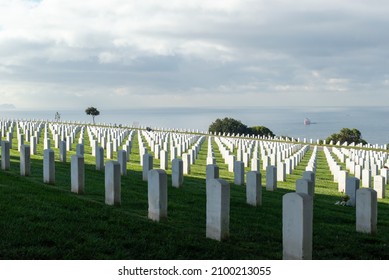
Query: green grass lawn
(40,221)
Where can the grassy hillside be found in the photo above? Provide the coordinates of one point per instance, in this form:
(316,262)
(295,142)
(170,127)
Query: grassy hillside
(40,221)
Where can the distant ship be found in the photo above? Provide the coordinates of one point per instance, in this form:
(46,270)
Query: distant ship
(307,121)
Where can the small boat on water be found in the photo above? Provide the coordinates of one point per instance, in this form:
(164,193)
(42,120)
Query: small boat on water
(307,121)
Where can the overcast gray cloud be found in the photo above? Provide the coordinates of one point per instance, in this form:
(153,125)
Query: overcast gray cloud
(122,53)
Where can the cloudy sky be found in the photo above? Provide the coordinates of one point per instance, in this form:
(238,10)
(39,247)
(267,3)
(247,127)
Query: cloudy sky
(130,53)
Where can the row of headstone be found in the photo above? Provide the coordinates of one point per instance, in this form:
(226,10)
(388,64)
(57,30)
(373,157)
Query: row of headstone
(185,146)
(373,160)
(364,175)
(291,162)
(339,175)
(311,166)
(179,166)
(7,130)
(30,132)
(284,156)
(297,226)
(5,155)
(64,134)
(179,143)
(297,207)
(27,150)
(107,134)
(218,200)
(211,159)
(253,181)
(376,162)
(5,126)
(298,211)
(360,145)
(269,138)
(297,221)
(111,140)
(142,148)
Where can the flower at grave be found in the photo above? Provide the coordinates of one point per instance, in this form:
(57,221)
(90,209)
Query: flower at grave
(343,200)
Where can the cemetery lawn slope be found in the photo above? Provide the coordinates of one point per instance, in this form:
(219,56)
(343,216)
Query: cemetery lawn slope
(41,221)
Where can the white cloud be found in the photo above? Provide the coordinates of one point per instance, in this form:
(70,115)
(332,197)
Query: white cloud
(336,84)
(207,51)
(237,47)
(5,69)
(107,57)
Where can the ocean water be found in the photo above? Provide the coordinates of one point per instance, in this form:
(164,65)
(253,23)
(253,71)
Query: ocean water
(373,122)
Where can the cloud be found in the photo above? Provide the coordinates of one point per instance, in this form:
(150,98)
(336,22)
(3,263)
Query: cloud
(191,50)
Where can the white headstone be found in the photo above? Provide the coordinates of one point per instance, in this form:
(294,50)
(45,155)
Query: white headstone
(342,178)
(48,167)
(271,178)
(5,155)
(366,178)
(239,173)
(218,210)
(212,172)
(289,165)
(157,150)
(265,162)
(46,143)
(112,183)
(254,188)
(94,145)
(358,171)
(80,149)
(366,211)
(99,158)
(186,162)
(109,150)
(304,186)
(20,141)
(297,224)
(352,185)
(385,173)
(211,160)
(68,142)
(127,148)
(255,162)
(379,186)
(163,160)
(9,139)
(231,163)
(25,162)
(311,176)
(62,151)
(147,166)
(157,194)
(281,172)
(177,172)
(77,174)
(122,159)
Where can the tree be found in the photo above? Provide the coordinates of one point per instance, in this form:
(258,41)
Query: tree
(261,131)
(228,125)
(347,135)
(93,112)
